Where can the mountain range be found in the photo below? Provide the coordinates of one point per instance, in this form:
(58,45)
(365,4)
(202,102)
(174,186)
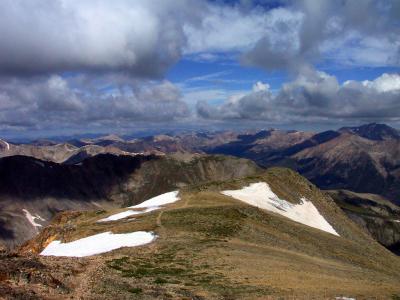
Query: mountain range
(363,159)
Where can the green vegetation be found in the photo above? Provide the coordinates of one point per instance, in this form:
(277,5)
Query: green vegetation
(220,221)
(173,266)
(135,290)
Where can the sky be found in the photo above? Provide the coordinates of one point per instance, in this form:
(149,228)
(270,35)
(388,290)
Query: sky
(72,67)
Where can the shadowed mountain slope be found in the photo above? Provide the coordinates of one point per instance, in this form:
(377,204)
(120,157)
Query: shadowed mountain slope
(377,215)
(32,191)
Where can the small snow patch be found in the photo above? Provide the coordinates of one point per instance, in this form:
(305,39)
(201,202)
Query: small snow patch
(95,204)
(97,244)
(147,206)
(260,195)
(344,298)
(39,163)
(126,214)
(7,144)
(32,218)
(166,198)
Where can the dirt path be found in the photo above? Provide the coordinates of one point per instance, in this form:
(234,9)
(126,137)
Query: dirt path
(159,223)
(84,281)
(159,217)
(186,204)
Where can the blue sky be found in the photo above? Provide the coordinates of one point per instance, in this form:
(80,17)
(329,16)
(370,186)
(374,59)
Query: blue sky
(153,65)
(230,76)
(234,77)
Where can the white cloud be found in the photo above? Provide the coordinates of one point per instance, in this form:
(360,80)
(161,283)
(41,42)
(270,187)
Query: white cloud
(384,83)
(259,86)
(43,102)
(224,29)
(314,97)
(353,33)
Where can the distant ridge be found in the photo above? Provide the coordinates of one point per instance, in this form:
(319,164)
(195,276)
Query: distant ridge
(373,131)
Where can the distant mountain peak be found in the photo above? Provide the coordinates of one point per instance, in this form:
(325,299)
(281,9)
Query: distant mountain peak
(111,137)
(373,131)
(43,142)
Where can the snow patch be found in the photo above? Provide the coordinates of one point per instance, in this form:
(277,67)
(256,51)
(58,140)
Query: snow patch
(344,298)
(152,204)
(95,204)
(7,144)
(260,195)
(39,163)
(32,218)
(126,214)
(97,244)
(166,198)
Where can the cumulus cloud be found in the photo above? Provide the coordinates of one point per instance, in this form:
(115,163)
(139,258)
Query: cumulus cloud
(384,83)
(141,37)
(314,97)
(46,102)
(253,106)
(279,46)
(309,31)
(91,63)
(97,62)
(145,37)
(225,28)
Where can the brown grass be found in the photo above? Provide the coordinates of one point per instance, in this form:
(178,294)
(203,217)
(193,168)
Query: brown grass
(211,246)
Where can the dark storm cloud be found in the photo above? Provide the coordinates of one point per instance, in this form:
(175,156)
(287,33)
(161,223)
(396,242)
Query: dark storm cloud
(111,52)
(144,38)
(140,37)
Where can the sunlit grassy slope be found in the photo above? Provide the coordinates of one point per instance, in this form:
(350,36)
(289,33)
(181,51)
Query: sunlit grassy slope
(211,246)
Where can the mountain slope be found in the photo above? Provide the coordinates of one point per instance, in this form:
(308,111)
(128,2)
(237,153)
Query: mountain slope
(212,246)
(254,146)
(33,191)
(376,215)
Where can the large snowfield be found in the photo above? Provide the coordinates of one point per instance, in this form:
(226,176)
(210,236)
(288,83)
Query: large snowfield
(260,195)
(97,244)
(152,204)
